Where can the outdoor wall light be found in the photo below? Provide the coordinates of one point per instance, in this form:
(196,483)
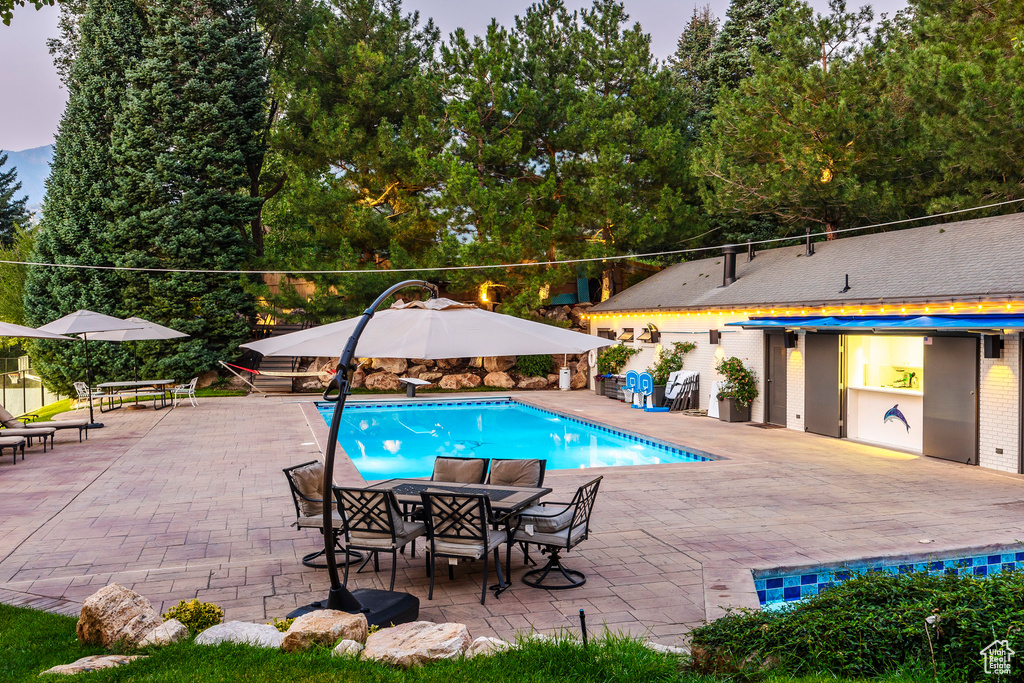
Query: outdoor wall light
(650,334)
(627,334)
(715,336)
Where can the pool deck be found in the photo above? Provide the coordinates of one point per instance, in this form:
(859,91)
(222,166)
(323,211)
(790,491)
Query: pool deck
(191,503)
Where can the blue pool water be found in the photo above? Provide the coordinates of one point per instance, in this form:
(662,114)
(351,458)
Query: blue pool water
(402,439)
(775,588)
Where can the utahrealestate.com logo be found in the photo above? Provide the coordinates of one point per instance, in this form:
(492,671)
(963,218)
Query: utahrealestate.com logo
(998,657)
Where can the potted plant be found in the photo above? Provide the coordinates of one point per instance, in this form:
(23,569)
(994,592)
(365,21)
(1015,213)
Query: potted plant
(665,363)
(610,362)
(737,392)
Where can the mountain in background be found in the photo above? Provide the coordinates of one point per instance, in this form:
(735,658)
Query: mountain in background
(33,168)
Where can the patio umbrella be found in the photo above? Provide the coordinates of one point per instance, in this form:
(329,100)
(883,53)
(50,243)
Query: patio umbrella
(83,323)
(12,330)
(149,331)
(437,328)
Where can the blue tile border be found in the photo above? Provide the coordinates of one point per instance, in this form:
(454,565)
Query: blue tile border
(775,586)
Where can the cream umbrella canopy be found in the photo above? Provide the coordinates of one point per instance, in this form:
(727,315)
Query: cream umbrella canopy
(147,331)
(12,330)
(83,322)
(437,328)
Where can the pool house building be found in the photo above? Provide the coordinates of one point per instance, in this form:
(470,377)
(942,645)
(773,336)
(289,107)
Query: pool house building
(907,339)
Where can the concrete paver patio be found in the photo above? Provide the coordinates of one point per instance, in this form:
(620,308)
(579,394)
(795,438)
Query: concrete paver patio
(191,503)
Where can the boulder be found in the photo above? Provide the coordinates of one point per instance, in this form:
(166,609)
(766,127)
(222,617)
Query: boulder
(460,381)
(206,379)
(485,646)
(257,635)
(417,643)
(431,376)
(171,631)
(449,364)
(576,315)
(382,381)
(396,366)
(499,363)
(92,663)
(358,378)
(415,370)
(578,381)
(307,385)
(347,648)
(552,379)
(324,627)
(421,361)
(533,383)
(476,362)
(667,649)
(116,614)
(501,380)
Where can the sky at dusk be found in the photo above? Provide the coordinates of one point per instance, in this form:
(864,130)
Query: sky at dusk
(33,97)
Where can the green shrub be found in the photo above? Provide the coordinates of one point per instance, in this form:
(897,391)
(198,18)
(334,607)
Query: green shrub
(670,361)
(872,625)
(197,616)
(614,358)
(534,366)
(283,625)
(740,382)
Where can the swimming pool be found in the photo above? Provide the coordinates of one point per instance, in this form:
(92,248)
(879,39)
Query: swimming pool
(387,440)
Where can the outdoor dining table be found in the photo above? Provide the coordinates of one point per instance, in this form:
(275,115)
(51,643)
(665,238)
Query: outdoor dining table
(158,389)
(505,500)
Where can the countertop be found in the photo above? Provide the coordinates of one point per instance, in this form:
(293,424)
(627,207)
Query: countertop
(891,390)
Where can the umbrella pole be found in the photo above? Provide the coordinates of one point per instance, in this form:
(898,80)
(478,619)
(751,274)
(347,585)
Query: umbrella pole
(380,607)
(93,424)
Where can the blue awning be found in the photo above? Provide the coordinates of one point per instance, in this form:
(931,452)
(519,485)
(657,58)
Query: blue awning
(921,323)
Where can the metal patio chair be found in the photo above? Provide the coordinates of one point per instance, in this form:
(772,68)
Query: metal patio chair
(306,482)
(185,391)
(461,527)
(556,527)
(372,522)
(452,470)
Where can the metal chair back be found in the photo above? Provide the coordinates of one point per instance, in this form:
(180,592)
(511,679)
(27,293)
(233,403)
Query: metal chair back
(583,503)
(457,518)
(368,511)
(297,493)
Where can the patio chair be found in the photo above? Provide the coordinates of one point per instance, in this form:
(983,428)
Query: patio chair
(10,422)
(185,391)
(306,484)
(372,522)
(556,527)
(461,527)
(517,472)
(14,443)
(83,394)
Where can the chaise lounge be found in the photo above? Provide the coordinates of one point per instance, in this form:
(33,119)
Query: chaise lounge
(11,422)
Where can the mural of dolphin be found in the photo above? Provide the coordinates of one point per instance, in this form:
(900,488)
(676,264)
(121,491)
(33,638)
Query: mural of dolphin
(895,414)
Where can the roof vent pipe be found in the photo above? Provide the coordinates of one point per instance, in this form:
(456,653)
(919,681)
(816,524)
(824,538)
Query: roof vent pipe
(810,245)
(729,274)
(751,252)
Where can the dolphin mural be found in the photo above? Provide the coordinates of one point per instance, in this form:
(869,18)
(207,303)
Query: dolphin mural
(895,414)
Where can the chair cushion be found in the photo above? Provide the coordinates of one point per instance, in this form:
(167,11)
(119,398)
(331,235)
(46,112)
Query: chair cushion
(546,525)
(25,431)
(309,480)
(515,472)
(317,521)
(6,419)
(11,440)
(459,470)
(469,547)
(404,533)
(558,538)
(61,424)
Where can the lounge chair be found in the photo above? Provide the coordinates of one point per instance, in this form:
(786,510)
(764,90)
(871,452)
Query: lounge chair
(461,527)
(372,522)
(306,484)
(556,527)
(10,422)
(14,443)
(682,390)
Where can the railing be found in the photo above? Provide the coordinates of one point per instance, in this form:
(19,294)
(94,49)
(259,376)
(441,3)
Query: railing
(21,391)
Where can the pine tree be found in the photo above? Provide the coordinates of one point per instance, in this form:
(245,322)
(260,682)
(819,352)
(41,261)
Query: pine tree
(744,36)
(77,221)
(12,210)
(694,50)
(182,144)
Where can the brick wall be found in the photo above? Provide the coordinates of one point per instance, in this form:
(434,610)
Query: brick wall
(748,345)
(795,384)
(998,409)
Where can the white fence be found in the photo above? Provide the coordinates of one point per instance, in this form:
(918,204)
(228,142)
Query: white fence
(21,391)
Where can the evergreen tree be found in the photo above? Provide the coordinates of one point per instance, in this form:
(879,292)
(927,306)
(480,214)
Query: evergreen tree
(12,210)
(694,50)
(77,220)
(183,143)
(743,37)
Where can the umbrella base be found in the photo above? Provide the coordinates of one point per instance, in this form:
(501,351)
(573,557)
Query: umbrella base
(95,425)
(137,407)
(381,608)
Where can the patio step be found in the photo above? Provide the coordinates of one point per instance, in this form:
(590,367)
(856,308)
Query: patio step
(271,384)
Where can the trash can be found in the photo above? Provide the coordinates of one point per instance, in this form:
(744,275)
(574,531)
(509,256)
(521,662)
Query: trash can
(564,377)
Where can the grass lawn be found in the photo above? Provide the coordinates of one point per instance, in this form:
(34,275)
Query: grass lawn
(48,412)
(32,641)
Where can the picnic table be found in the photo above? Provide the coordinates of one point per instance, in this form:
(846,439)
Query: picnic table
(156,389)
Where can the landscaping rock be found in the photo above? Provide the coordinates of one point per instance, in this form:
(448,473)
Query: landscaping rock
(421,361)
(431,376)
(533,383)
(476,362)
(171,631)
(552,379)
(415,370)
(449,364)
(461,381)
(206,379)
(257,635)
(667,649)
(578,381)
(324,627)
(500,380)
(396,366)
(484,646)
(382,381)
(92,663)
(499,363)
(417,643)
(347,648)
(114,614)
(358,378)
